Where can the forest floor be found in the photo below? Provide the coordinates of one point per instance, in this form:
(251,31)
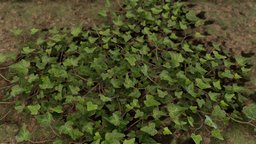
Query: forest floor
(234,23)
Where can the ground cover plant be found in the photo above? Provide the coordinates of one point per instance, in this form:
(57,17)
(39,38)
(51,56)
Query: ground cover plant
(145,77)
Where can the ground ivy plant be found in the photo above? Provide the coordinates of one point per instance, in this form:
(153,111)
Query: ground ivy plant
(145,77)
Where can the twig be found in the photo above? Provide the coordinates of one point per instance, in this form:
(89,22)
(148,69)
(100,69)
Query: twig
(5,78)
(39,142)
(242,122)
(92,89)
(3,117)
(80,77)
(1,102)
(54,131)
(3,68)
(118,2)
(1,88)
(132,125)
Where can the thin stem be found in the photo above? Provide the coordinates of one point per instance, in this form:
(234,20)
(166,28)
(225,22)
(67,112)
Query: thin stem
(3,117)
(242,122)
(3,68)
(54,132)
(7,102)
(5,78)
(80,77)
(39,142)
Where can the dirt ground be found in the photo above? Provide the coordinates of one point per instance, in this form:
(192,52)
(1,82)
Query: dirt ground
(234,23)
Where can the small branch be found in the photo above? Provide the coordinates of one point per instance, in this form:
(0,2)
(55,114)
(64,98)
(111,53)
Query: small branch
(80,77)
(1,88)
(5,78)
(3,117)
(242,122)
(92,88)
(11,102)
(3,68)
(54,131)
(132,125)
(40,142)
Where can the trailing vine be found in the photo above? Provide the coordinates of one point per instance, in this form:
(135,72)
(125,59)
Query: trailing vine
(144,77)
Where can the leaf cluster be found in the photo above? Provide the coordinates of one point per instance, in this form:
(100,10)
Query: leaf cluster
(146,75)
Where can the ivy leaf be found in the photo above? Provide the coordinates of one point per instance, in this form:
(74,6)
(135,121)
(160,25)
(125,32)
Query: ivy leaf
(57,109)
(150,101)
(32,78)
(200,102)
(217,85)
(156,10)
(115,119)
(227,74)
(127,36)
(34,31)
(241,60)
(104,98)
(144,70)
(177,58)
(68,129)
(130,141)
(228,97)
(92,40)
(23,135)
(76,31)
(21,68)
(128,83)
(187,48)
(166,131)
(201,84)
(58,71)
(191,121)
(175,111)
(150,129)
(16,90)
(71,62)
(218,113)
(45,119)
(116,83)
(129,14)
(191,16)
(91,106)
(4,57)
(99,64)
(27,50)
(34,109)
(161,93)
(219,56)
(139,114)
(103,13)
(213,96)
(197,138)
(114,137)
(131,59)
(88,127)
(208,121)
(74,89)
(16,31)
(183,26)
(165,75)
(190,90)
(118,21)
(217,134)
(46,83)
(249,111)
